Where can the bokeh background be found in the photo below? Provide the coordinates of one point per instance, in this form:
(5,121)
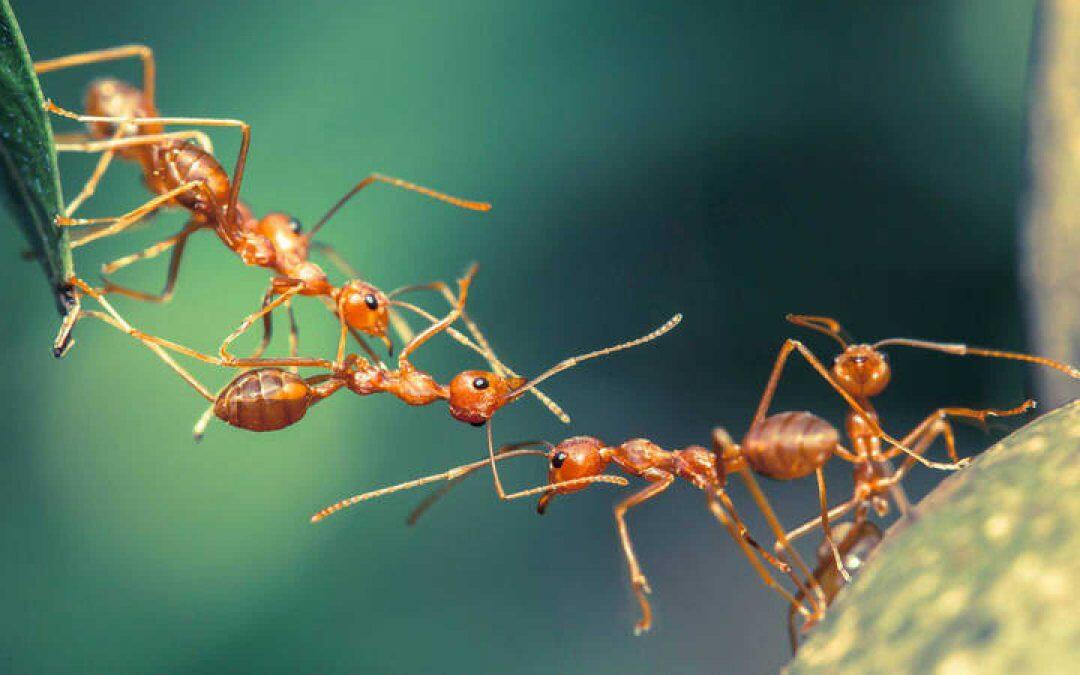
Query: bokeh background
(729,160)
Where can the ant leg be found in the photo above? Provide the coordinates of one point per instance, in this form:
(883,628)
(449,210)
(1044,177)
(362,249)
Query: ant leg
(92,146)
(294,334)
(444,323)
(114,319)
(118,224)
(332,308)
(738,534)
(178,240)
(810,525)
(241,158)
(228,358)
(143,52)
(786,350)
(91,184)
(823,500)
(941,415)
(638,581)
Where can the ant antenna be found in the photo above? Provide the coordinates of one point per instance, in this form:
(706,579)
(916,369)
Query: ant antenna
(463,470)
(960,349)
(452,474)
(396,182)
(822,324)
(574,360)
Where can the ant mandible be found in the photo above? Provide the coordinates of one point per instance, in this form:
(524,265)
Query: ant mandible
(578,462)
(125,121)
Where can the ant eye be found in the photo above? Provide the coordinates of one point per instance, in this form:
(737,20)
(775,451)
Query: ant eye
(480,383)
(371,301)
(557,459)
(295,226)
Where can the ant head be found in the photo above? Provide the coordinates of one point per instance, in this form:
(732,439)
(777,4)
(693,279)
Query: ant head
(862,370)
(578,457)
(475,395)
(287,235)
(364,308)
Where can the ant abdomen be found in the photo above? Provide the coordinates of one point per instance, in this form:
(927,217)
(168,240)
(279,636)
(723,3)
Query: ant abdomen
(173,163)
(265,399)
(789,445)
(109,97)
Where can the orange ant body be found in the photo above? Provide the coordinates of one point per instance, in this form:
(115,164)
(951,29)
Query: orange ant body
(268,398)
(792,445)
(859,373)
(125,121)
(578,462)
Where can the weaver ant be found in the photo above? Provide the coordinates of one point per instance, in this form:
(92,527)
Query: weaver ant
(123,120)
(792,445)
(578,462)
(268,398)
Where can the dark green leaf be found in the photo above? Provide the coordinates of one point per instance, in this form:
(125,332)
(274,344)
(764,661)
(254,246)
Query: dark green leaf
(30,195)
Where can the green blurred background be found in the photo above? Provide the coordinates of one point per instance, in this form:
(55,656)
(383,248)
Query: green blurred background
(728,160)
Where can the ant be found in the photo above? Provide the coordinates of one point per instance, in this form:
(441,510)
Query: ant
(268,398)
(793,445)
(124,120)
(578,462)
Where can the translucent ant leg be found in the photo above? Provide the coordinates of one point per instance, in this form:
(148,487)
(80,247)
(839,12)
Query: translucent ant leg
(241,158)
(143,52)
(90,186)
(744,544)
(786,350)
(114,319)
(638,582)
(115,143)
(246,324)
(444,323)
(484,349)
(178,240)
(823,501)
(811,525)
(783,543)
(121,223)
(294,334)
(941,415)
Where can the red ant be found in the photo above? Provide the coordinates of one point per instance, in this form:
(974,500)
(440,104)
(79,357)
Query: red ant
(578,462)
(792,445)
(268,398)
(125,121)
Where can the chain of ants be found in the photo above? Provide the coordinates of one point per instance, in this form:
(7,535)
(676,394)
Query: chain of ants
(180,169)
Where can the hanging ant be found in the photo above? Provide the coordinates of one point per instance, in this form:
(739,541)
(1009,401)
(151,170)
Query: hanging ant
(124,120)
(268,398)
(578,462)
